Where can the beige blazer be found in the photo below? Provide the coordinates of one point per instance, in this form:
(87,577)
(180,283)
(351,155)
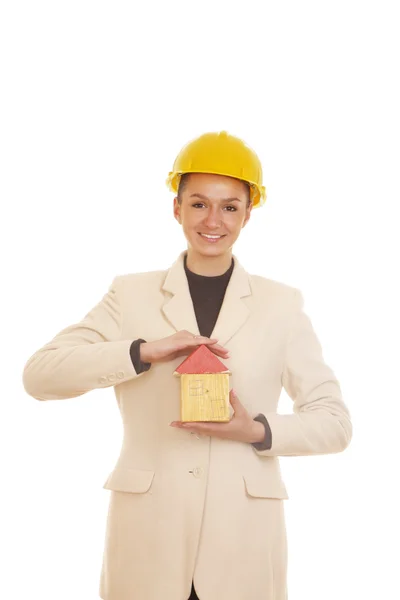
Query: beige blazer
(182,506)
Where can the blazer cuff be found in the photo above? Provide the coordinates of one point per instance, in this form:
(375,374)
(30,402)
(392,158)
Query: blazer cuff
(134,352)
(266,443)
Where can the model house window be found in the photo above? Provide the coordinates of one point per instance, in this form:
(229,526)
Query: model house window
(196,388)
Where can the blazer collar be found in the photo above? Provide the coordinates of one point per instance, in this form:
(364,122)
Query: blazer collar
(178,306)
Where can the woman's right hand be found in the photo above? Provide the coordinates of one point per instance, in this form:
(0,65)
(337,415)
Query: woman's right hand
(178,344)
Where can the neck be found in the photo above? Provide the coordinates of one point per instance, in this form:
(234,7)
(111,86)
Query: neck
(209,266)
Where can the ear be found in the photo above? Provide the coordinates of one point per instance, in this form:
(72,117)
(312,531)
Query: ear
(177,210)
(248,213)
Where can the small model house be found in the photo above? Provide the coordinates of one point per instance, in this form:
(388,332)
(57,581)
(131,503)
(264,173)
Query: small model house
(204,387)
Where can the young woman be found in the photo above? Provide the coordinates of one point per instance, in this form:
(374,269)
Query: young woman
(196,509)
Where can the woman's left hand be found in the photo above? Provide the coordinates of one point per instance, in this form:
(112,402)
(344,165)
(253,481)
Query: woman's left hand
(241,427)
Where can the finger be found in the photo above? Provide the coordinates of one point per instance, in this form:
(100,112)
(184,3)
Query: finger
(234,400)
(187,427)
(196,424)
(193,341)
(221,353)
(190,423)
(221,430)
(202,339)
(205,426)
(199,426)
(211,344)
(180,425)
(217,349)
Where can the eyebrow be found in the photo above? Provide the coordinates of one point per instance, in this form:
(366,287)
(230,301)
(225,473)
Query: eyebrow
(223,199)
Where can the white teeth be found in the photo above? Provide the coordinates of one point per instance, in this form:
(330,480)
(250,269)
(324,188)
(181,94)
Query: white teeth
(213,237)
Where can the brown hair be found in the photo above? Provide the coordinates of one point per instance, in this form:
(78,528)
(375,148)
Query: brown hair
(183,182)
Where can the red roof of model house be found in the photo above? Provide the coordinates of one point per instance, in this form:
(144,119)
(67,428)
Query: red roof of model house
(201,360)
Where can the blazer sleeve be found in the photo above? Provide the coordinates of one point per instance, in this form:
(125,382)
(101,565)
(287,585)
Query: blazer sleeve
(321,422)
(84,356)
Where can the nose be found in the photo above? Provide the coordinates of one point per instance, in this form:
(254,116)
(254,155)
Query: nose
(213,218)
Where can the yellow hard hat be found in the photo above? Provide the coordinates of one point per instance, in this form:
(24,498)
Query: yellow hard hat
(221,154)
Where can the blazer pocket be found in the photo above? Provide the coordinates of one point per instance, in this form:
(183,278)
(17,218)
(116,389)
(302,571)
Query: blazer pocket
(258,486)
(136,481)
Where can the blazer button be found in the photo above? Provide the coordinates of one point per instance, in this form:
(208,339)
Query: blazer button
(120,374)
(111,377)
(198,472)
(103,380)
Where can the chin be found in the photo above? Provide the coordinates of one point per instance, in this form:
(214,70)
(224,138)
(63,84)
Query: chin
(211,251)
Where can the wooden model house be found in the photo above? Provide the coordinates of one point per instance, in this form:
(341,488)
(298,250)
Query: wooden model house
(204,387)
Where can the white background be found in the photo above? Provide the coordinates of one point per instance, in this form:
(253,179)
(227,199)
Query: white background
(97,98)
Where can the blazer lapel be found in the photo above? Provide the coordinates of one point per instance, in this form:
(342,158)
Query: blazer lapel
(178,306)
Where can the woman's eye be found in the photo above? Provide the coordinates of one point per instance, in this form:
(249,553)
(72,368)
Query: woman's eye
(230,206)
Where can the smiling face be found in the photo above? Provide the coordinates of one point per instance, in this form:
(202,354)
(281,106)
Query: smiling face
(212,210)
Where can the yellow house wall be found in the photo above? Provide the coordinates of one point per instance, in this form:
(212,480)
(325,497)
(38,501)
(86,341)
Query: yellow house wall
(205,397)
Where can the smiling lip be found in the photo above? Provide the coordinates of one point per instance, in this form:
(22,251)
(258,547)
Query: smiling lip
(210,240)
